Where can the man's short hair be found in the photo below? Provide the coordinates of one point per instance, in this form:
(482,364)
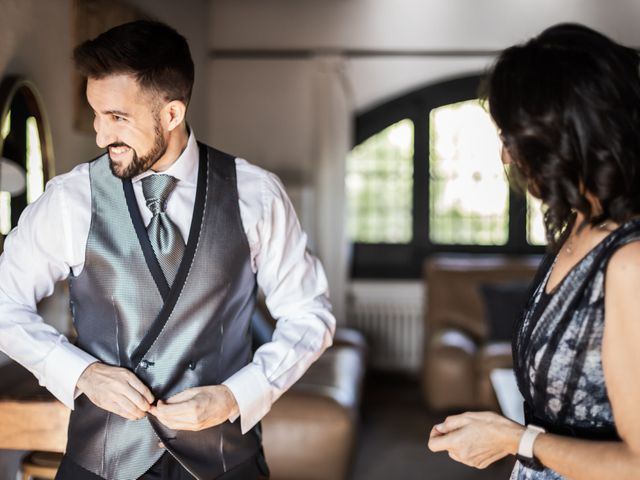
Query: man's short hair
(154,53)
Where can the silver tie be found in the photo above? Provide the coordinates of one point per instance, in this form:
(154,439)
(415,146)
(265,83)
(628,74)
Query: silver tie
(164,235)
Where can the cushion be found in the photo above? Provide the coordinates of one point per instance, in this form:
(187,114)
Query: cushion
(504,303)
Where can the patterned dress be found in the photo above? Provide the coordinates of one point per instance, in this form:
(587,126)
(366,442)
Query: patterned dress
(557,351)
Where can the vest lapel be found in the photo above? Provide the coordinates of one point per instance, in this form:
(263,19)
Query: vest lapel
(171,294)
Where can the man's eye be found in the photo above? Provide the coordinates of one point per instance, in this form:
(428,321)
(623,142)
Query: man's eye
(118,118)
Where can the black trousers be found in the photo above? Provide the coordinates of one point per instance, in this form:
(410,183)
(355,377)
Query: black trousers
(168,468)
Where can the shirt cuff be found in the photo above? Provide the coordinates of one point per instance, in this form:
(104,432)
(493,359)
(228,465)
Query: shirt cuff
(252,392)
(63,368)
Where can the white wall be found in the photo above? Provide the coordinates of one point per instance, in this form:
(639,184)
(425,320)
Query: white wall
(406,24)
(260,108)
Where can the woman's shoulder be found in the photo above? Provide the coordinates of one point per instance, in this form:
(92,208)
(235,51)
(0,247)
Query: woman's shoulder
(624,264)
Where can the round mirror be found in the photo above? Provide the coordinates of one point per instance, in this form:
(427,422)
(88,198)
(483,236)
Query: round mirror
(26,154)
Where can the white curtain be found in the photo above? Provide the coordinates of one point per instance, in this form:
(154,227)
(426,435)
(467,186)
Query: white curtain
(333,109)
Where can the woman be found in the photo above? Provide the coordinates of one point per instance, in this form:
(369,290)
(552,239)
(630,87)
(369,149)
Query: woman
(567,104)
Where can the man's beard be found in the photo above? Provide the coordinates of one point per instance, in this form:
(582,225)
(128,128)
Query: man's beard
(138,165)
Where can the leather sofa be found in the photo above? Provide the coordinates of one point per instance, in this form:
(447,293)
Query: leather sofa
(310,432)
(458,351)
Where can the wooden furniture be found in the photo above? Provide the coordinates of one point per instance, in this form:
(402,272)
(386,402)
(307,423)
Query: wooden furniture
(40,466)
(30,417)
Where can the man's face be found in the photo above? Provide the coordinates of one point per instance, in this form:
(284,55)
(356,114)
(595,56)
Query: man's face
(127,124)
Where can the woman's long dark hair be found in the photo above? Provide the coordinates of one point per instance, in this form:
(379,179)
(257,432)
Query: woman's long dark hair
(567,104)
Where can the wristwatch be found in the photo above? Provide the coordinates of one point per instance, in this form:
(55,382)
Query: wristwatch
(525,448)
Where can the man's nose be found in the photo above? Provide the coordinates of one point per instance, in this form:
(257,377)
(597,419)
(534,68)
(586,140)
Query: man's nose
(104,137)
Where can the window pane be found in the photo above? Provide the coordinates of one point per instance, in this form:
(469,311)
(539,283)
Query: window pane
(469,192)
(535,224)
(35,175)
(380,186)
(5,128)
(5,213)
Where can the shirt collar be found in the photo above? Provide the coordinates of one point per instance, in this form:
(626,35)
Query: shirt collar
(185,168)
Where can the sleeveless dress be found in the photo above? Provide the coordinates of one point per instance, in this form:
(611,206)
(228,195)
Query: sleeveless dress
(557,351)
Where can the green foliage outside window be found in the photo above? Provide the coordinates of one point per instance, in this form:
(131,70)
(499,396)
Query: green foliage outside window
(379,186)
(468,188)
(469,193)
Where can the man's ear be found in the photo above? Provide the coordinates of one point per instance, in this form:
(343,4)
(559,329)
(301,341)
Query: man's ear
(173,114)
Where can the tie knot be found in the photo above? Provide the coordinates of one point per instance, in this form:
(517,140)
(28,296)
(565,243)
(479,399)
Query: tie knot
(156,190)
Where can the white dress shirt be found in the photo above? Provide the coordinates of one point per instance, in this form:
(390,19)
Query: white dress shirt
(49,244)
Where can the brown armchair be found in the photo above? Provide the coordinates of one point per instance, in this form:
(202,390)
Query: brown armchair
(458,353)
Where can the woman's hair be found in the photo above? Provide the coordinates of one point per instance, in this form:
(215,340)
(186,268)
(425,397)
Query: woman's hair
(154,53)
(567,104)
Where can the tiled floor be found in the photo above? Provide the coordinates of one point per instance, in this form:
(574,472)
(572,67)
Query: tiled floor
(393,438)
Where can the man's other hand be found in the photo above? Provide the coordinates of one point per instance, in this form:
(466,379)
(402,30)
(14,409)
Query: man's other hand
(116,390)
(197,408)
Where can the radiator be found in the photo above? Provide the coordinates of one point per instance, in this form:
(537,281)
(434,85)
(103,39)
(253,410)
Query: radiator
(390,314)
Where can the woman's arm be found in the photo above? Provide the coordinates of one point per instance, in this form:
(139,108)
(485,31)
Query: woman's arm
(478,439)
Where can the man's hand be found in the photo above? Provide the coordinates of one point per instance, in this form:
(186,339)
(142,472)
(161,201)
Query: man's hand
(116,390)
(197,408)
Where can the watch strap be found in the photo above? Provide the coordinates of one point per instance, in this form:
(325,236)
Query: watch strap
(525,447)
(528,438)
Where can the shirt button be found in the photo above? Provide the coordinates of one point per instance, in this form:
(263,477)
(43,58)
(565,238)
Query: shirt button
(144,364)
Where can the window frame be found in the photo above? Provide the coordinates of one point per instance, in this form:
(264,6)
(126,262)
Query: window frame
(10,88)
(384,260)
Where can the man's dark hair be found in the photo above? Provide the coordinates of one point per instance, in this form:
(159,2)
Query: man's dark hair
(567,103)
(154,53)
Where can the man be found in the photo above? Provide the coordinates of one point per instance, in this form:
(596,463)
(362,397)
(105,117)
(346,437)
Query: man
(165,242)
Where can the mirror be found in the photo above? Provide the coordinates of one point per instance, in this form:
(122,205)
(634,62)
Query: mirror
(26,154)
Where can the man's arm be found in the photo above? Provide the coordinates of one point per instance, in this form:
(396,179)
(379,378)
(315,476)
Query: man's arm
(297,296)
(37,254)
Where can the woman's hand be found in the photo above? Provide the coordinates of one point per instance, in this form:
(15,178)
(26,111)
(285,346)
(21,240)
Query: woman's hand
(476,439)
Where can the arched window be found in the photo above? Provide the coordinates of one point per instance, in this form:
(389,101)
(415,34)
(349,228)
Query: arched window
(25,148)
(425,177)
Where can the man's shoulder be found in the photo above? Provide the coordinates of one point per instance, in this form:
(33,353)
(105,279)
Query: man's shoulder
(250,170)
(251,176)
(77,175)
(73,185)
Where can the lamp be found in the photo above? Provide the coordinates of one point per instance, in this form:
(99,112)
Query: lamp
(13,178)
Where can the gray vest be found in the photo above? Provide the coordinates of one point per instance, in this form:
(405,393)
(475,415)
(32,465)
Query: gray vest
(195,332)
